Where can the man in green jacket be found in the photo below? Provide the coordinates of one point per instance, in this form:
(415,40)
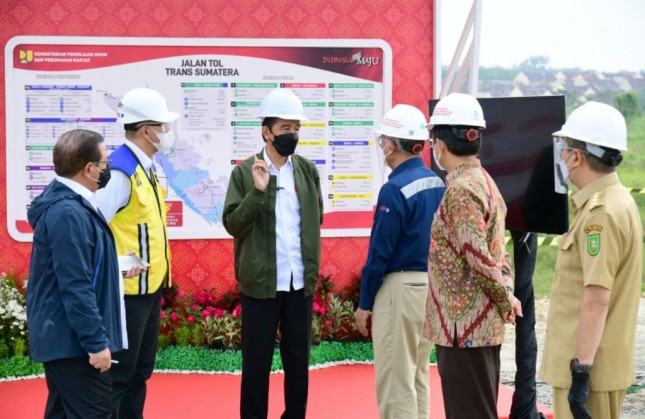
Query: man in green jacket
(274,210)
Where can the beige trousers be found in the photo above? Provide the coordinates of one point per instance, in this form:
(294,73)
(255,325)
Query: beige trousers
(601,404)
(401,351)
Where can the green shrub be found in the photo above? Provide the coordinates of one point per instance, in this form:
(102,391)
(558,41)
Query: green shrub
(20,366)
(13,317)
(163,342)
(223,330)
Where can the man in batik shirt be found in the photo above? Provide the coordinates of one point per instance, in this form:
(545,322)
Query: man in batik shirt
(470,283)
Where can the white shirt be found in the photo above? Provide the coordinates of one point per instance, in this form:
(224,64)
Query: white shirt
(287,227)
(79,189)
(91,197)
(116,193)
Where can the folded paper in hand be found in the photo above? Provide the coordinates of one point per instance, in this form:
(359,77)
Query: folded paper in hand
(127,262)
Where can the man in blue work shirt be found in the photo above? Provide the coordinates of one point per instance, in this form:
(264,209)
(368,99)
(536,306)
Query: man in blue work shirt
(394,281)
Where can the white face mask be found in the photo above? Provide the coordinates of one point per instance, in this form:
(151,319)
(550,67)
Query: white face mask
(436,158)
(382,145)
(385,156)
(166,141)
(381,160)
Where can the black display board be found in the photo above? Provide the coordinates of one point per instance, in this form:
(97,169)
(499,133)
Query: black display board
(517,151)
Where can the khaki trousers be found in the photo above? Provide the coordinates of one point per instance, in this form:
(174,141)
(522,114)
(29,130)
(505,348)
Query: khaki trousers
(601,404)
(401,351)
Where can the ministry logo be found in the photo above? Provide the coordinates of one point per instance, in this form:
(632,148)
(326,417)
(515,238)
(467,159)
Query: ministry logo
(26,56)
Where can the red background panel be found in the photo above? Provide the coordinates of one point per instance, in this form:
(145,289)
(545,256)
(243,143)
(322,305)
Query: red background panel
(208,264)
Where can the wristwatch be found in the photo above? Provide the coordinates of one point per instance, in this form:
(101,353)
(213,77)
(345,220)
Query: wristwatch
(576,366)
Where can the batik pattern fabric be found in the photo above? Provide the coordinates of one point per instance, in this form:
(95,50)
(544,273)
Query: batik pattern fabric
(469,270)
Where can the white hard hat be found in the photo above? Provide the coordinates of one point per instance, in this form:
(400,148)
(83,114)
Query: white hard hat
(596,123)
(143,104)
(405,122)
(282,103)
(458,109)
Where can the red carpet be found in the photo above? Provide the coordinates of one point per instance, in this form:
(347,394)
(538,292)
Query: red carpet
(334,393)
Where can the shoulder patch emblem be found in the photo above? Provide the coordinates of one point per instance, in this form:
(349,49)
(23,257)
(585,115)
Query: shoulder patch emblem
(593,244)
(593,227)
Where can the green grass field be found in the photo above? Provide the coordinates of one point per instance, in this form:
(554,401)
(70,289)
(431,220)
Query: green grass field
(631,172)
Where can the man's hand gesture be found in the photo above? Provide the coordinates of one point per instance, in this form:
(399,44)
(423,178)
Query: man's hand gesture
(260,172)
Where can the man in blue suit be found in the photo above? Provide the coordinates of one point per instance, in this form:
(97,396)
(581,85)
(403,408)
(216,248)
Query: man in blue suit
(73,296)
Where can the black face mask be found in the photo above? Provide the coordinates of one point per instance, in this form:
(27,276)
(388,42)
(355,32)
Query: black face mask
(104,177)
(285,144)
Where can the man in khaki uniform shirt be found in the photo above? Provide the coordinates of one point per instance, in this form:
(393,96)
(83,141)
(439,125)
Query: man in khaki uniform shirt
(591,326)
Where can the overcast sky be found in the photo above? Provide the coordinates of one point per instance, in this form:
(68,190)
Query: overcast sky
(607,35)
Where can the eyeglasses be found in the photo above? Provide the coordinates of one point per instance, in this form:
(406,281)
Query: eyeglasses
(165,127)
(382,139)
(560,147)
(104,163)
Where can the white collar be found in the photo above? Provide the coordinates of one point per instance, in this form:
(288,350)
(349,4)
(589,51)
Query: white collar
(146,161)
(78,188)
(270,163)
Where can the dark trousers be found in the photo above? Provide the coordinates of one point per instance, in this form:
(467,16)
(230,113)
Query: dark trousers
(469,381)
(129,376)
(77,390)
(525,396)
(291,313)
